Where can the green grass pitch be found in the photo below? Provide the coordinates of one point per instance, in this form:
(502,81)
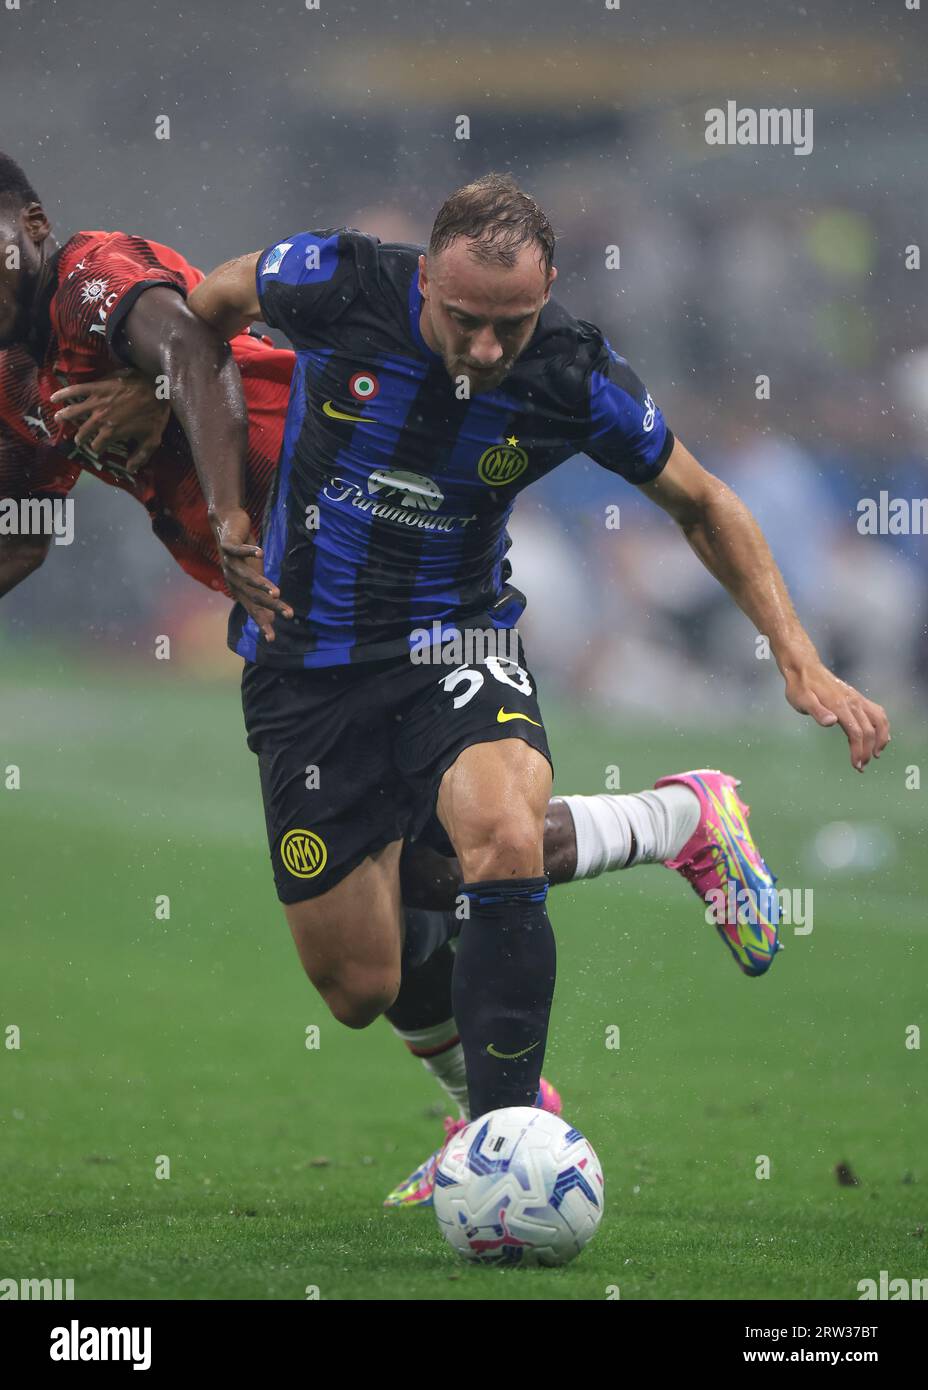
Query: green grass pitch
(186,1037)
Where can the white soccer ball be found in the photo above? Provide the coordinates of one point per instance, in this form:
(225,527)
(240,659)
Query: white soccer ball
(519,1186)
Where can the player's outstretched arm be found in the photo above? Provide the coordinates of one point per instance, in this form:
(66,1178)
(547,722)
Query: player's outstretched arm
(20,556)
(123,405)
(228,298)
(730,544)
(162,336)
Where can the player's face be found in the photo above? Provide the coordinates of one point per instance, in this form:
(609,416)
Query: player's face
(22,234)
(481,317)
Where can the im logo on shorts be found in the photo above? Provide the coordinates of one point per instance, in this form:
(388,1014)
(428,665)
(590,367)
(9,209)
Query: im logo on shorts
(303,853)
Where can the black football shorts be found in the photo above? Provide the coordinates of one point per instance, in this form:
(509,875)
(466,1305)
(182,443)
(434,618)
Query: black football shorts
(351,757)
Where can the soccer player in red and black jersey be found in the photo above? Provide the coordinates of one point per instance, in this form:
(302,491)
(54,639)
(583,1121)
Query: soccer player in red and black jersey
(106,300)
(42,455)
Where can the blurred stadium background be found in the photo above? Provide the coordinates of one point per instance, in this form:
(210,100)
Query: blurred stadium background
(186,1037)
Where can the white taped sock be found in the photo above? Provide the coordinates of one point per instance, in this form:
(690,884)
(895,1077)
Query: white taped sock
(440,1052)
(661,822)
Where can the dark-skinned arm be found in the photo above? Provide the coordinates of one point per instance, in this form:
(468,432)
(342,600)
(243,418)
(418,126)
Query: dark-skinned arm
(729,542)
(25,471)
(20,556)
(161,336)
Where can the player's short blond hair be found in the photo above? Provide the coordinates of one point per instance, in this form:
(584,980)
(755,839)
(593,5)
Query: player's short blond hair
(497,218)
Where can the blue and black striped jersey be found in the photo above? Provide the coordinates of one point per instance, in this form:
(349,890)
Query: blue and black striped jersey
(392,495)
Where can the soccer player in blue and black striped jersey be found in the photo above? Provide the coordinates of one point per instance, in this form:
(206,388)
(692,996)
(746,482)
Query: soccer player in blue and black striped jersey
(429,390)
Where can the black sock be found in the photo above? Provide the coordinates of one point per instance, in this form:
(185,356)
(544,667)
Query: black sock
(502,990)
(425,933)
(425,993)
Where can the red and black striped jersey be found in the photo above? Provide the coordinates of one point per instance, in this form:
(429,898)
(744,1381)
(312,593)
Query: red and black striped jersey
(98,277)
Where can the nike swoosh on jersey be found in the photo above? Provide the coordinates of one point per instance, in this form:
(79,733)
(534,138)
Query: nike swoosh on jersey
(504,716)
(508,1056)
(329,409)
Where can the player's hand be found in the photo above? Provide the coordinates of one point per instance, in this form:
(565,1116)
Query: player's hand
(122,407)
(817,691)
(243,569)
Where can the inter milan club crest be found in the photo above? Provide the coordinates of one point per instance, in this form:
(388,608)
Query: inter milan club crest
(502,463)
(303,853)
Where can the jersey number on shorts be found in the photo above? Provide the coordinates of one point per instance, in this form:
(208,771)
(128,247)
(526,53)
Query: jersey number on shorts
(515,676)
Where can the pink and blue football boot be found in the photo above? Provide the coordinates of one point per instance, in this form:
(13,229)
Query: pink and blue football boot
(724,866)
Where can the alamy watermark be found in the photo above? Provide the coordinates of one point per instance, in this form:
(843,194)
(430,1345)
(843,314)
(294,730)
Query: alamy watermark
(790,907)
(765,125)
(893,1289)
(38,516)
(445,645)
(36,1289)
(77,1343)
(892,516)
